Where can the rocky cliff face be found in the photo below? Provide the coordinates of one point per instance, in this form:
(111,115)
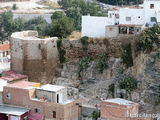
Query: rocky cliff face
(94,86)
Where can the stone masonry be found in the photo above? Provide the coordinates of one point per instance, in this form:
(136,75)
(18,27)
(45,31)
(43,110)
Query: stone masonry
(37,58)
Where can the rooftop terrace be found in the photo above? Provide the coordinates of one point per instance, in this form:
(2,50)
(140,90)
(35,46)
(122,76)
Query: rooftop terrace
(51,88)
(23,84)
(120,101)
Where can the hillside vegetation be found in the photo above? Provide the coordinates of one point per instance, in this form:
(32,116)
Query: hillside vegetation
(120,2)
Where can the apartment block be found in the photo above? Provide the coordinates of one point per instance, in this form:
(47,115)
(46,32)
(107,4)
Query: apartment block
(48,102)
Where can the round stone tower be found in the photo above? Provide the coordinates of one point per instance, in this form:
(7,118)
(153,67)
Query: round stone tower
(33,56)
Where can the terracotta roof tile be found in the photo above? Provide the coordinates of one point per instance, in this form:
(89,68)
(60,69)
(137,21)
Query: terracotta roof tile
(12,75)
(4,47)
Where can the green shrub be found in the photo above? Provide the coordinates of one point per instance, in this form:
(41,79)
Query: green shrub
(149,36)
(84,42)
(127,55)
(83,64)
(157,55)
(128,83)
(61,51)
(95,115)
(102,63)
(14,7)
(157,102)
(59,43)
(111,89)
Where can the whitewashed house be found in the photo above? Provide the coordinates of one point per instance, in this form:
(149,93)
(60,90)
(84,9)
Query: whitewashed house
(123,21)
(94,26)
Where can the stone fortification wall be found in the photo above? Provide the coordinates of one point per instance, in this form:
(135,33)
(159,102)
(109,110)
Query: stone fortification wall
(33,56)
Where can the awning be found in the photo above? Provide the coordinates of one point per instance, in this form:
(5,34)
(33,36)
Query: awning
(12,110)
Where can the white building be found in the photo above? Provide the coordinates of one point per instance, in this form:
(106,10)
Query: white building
(127,21)
(93,26)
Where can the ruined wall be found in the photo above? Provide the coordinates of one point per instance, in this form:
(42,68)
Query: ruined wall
(94,47)
(33,56)
(93,85)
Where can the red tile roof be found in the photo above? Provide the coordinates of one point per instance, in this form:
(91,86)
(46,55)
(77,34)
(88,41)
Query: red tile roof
(4,47)
(12,75)
(21,84)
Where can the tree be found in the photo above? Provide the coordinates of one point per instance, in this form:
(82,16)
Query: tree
(8,25)
(39,24)
(61,27)
(75,13)
(18,24)
(76,8)
(7,22)
(57,14)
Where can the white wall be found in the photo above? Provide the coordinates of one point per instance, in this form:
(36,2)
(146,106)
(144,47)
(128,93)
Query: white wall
(151,12)
(137,16)
(112,31)
(93,26)
(2,84)
(158,16)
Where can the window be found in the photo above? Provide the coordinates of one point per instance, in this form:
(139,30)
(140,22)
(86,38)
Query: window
(37,110)
(153,19)
(54,114)
(8,96)
(151,6)
(128,18)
